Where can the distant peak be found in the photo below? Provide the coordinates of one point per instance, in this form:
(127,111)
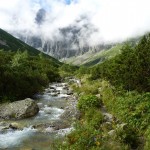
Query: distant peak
(40,16)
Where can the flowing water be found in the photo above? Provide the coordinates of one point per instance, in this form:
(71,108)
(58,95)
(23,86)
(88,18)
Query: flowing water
(40,131)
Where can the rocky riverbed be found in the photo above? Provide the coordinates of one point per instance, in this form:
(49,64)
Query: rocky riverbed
(57,112)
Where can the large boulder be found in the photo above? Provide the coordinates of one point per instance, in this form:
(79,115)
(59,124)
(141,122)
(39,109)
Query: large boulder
(19,109)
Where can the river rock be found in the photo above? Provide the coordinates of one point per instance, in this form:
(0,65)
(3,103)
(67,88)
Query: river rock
(49,129)
(61,124)
(53,94)
(65,87)
(19,109)
(3,126)
(69,92)
(40,105)
(52,87)
(63,91)
(15,125)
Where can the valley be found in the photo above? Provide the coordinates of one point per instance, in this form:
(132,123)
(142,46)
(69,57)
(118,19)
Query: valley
(74,75)
(100,106)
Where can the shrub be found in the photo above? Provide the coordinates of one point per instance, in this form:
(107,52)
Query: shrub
(88,101)
(147,143)
(93,118)
(83,138)
(127,136)
(22,75)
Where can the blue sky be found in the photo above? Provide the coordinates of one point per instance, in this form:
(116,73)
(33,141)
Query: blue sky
(68,1)
(43,3)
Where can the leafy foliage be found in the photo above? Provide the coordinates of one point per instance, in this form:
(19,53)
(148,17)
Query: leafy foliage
(130,107)
(22,75)
(93,118)
(67,70)
(147,143)
(123,83)
(88,101)
(130,69)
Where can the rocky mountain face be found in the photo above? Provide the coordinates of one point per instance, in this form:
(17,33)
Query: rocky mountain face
(62,48)
(73,41)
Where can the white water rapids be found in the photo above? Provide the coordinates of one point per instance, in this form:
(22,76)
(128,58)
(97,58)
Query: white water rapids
(13,138)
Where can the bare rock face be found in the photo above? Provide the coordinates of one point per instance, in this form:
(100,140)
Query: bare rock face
(19,109)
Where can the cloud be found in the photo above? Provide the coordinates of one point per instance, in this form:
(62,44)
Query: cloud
(104,20)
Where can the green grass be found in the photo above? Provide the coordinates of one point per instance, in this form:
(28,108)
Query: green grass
(92,58)
(103,55)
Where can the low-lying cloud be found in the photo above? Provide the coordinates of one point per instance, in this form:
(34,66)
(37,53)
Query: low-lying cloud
(98,20)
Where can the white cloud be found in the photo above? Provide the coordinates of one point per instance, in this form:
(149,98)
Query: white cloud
(115,20)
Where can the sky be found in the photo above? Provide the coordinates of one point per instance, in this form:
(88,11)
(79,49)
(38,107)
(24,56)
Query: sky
(113,20)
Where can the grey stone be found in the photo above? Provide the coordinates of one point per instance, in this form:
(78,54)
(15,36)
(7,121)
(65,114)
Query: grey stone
(64,92)
(53,94)
(69,92)
(4,126)
(122,126)
(15,125)
(19,109)
(111,132)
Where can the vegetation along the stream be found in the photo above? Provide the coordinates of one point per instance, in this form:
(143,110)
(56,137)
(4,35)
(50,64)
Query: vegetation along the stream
(113,99)
(114,102)
(22,75)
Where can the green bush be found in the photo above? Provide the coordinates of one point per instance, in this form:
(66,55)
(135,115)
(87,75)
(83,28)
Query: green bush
(93,118)
(130,69)
(130,107)
(147,142)
(67,70)
(88,87)
(83,138)
(88,101)
(22,75)
(127,136)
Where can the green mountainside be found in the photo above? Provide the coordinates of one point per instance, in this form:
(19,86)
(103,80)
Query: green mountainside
(92,58)
(9,42)
(24,71)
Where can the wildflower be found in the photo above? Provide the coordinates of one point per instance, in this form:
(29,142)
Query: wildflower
(97,143)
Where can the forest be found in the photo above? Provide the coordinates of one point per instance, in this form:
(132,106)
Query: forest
(23,75)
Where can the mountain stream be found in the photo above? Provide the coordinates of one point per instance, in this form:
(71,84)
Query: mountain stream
(57,111)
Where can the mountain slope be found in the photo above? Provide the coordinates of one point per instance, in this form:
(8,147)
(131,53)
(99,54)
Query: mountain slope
(92,58)
(9,42)
(24,71)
